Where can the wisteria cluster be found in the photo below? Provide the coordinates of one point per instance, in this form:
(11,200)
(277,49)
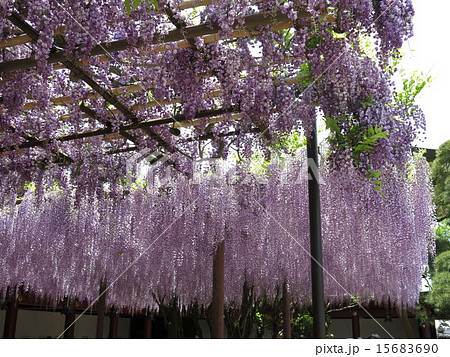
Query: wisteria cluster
(160,239)
(275,78)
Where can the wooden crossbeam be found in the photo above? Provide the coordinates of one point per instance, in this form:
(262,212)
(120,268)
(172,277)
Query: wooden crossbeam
(194,3)
(185,44)
(81,74)
(24,38)
(209,34)
(122,128)
(14,41)
(204,137)
(250,22)
(213,94)
(64,100)
(178,121)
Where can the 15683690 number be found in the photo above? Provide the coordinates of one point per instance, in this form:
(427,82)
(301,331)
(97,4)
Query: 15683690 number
(407,348)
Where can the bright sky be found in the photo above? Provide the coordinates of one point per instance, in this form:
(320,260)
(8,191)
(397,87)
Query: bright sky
(429,52)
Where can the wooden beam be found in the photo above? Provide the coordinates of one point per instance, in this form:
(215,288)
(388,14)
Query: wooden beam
(78,72)
(24,38)
(250,22)
(217,328)
(14,41)
(185,44)
(315,229)
(194,3)
(122,128)
(198,138)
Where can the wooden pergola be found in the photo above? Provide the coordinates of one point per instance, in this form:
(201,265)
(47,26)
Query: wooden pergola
(134,128)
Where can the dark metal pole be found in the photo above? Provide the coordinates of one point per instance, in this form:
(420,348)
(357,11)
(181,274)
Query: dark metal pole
(315,228)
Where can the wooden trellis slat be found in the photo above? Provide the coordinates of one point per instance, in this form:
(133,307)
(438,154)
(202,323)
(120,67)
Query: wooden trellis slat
(65,100)
(250,22)
(212,94)
(186,124)
(178,121)
(194,3)
(278,21)
(125,127)
(81,74)
(15,41)
(24,38)
(204,137)
(185,44)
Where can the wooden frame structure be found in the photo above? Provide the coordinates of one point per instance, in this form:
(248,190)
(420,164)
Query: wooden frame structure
(174,39)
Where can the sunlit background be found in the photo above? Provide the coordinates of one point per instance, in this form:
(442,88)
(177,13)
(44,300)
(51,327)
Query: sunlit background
(428,51)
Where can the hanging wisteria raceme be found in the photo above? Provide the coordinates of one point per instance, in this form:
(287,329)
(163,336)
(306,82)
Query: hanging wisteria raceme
(274,78)
(159,240)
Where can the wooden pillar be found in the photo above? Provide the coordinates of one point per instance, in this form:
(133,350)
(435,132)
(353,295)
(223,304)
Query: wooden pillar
(425,330)
(69,326)
(148,327)
(286,312)
(355,325)
(12,308)
(101,307)
(113,323)
(217,328)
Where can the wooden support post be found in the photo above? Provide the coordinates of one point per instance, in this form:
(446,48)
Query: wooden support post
(355,325)
(218,292)
(101,307)
(286,312)
(148,327)
(69,326)
(113,323)
(12,308)
(425,330)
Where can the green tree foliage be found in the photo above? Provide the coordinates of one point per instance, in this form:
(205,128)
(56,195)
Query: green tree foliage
(443,236)
(302,325)
(131,5)
(441,176)
(439,296)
